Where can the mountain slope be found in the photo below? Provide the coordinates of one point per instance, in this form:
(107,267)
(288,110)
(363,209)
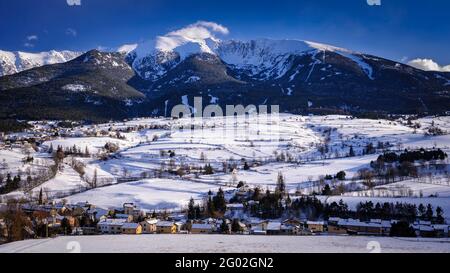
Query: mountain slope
(300,76)
(92,86)
(149,79)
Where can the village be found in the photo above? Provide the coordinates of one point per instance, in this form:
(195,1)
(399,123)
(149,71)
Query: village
(84,219)
(149,176)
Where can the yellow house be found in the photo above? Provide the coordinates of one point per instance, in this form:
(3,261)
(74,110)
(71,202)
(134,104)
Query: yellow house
(131,228)
(165,227)
(315,227)
(149,226)
(201,229)
(335,229)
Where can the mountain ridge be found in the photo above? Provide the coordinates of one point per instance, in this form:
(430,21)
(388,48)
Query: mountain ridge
(300,76)
(12,62)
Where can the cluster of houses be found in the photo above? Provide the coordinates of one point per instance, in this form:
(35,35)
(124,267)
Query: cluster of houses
(255,226)
(131,220)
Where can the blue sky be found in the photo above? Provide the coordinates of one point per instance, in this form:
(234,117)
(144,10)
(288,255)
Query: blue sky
(398,29)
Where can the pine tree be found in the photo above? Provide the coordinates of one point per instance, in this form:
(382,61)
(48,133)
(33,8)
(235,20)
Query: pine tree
(439,215)
(191,209)
(219,201)
(60,155)
(154,214)
(208,170)
(9,183)
(429,213)
(351,153)
(15,183)
(281,185)
(202,156)
(210,206)
(326,190)
(198,212)
(94,180)
(41,200)
(256,194)
(421,211)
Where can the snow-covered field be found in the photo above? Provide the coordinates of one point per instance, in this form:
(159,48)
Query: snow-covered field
(227,244)
(150,194)
(216,141)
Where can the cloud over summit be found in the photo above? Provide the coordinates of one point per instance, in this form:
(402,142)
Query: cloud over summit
(428,65)
(198,32)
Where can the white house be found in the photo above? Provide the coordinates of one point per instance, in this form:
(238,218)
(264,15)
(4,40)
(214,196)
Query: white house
(273,228)
(234,211)
(111,226)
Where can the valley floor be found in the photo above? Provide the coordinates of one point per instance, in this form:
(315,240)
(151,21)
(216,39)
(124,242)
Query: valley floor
(228,244)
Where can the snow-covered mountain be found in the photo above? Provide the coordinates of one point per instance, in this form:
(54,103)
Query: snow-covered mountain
(17,61)
(261,59)
(151,77)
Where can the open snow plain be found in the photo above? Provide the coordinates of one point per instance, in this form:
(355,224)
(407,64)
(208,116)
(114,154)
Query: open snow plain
(227,244)
(292,145)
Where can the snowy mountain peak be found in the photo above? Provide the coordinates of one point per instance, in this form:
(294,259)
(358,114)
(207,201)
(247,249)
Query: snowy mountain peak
(14,62)
(263,58)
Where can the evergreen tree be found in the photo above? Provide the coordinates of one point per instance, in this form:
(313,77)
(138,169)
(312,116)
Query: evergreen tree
(246,166)
(208,170)
(429,213)
(256,194)
(210,206)
(351,153)
(439,215)
(41,200)
(326,190)
(341,175)
(198,212)
(8,184)
(219,201)
(402,229)
(95,179)
(191,209)
(422,211)
(60,155)
(154,215)
(281,185)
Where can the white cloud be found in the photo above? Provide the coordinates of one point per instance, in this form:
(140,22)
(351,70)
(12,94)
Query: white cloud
(197,33)
(127,48)
(103,48)
(71,32)
(73,2)
(29,45)
(32,38)
(428,65)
